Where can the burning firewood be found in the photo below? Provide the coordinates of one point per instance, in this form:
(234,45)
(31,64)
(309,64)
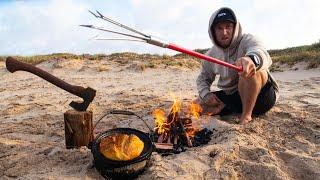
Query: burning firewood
(169,139)
(175,140)
(185,134)
(164,146)
(173,132)
(160,139)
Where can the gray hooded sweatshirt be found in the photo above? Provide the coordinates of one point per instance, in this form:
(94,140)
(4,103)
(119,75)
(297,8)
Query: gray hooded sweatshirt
(241,45)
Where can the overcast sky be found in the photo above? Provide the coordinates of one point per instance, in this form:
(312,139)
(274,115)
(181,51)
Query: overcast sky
(29,27)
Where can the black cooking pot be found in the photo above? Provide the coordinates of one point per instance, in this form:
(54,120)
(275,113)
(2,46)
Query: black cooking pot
(121,169)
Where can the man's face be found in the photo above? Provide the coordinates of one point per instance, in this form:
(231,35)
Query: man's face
(223,32)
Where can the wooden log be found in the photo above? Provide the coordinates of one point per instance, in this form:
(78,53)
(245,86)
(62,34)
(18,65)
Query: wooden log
(189,142)
(172,117)
(160,138)
(186,120)
(78,128)
(163,146)
(169,139)
(176,138)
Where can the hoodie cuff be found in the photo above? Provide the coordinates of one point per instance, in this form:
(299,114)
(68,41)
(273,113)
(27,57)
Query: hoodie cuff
(203,93)
(252,55)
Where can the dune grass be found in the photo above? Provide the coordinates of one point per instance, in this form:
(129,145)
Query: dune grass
(41,58)
(308,53)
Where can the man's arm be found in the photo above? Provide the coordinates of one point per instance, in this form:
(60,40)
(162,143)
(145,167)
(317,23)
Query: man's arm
(256,52)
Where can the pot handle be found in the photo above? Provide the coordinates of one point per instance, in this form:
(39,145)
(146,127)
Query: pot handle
(122,112)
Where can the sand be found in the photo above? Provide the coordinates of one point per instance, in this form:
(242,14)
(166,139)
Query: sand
(282,144)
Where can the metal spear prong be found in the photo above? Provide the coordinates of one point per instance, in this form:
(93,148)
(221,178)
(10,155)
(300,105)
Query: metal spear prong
(115,32)
(94,37)
(88,26)
(101,16)
(94,14)
(117,39)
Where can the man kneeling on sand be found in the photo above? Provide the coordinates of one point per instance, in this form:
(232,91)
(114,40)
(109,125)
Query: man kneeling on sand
(251,92)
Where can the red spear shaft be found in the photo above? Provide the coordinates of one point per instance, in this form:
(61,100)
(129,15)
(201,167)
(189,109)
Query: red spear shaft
(202,56)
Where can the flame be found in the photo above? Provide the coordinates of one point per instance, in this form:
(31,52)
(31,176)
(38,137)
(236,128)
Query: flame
(161,121)
(175,108)
(195,109)
(162,124)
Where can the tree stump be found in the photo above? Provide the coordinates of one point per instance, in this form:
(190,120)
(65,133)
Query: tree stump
(78,128)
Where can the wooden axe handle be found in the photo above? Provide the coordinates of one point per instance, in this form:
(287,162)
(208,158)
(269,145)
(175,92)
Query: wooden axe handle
(14,65)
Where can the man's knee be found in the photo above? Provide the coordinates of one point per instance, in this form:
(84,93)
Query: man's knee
(259,78)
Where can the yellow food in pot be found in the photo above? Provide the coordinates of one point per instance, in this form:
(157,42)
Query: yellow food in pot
(121,147)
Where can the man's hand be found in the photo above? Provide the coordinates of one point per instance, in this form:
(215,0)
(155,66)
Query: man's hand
(211,100)
(248,67)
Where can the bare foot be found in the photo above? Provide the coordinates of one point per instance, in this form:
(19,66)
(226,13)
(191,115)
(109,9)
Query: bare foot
(245,120)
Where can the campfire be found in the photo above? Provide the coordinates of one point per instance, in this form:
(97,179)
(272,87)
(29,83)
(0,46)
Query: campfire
(177,130)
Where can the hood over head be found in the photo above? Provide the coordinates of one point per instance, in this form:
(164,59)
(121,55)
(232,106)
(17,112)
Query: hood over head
(225,14)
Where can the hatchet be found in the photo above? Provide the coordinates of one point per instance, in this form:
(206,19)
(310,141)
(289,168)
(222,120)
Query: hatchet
(87,94)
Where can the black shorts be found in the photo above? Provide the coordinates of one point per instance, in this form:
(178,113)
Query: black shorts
(265,101)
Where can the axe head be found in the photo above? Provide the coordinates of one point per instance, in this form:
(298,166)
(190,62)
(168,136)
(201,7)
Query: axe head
(87,96)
